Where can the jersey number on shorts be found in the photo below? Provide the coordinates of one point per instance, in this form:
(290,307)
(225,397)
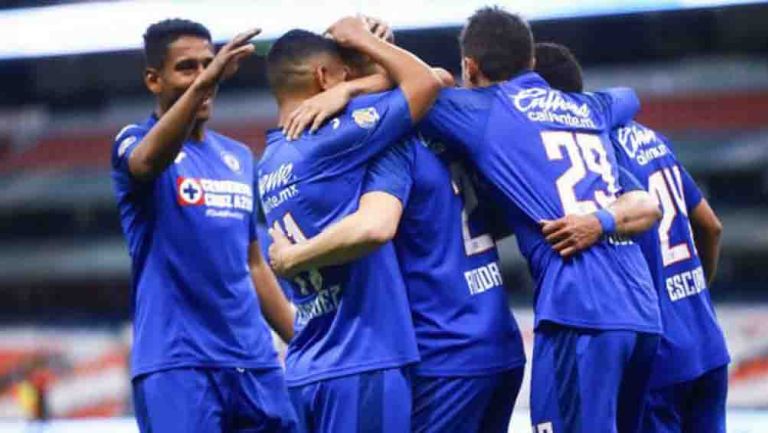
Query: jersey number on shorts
(667,185)
(462,184)
(586,153)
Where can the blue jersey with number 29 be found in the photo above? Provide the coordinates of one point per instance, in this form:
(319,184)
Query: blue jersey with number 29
(693,342)
(353,317)
(548,154)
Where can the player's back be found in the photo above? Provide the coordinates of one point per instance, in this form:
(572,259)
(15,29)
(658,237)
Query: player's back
(693,342)
(353,317)
(549,155)
(188,232)
(449,262)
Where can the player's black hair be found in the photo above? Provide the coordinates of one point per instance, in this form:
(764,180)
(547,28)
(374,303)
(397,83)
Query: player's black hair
(559,67)
(500,42)
(286,59)
(161,34)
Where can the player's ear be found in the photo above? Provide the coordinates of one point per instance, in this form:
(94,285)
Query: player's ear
(470,72)
(152,80)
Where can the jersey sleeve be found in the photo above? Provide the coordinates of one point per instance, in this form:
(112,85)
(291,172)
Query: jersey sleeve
(258,219)
(457,119)
(125,143)
(628,182)
(369,125)
(621,104)
(392,172)
(691,191)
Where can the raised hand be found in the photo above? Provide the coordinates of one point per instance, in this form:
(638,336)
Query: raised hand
(227,60)
(316,110)
(380,28)
(349,30)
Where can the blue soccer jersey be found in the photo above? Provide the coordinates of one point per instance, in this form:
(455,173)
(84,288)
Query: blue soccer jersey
(188,232)
(693,342)
(548,154)
(449,263)
(353,317)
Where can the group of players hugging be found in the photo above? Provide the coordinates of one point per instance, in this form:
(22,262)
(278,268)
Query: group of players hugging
(377,203)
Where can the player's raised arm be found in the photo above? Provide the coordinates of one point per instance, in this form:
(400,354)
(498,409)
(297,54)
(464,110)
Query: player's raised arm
(163,142)
(414,77)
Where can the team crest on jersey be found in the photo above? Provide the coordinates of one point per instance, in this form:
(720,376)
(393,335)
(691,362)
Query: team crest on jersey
(365,117)
(232,162)
(189,191)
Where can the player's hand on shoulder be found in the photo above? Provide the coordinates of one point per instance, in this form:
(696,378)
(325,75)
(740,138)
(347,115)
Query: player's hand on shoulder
(572,233)
(279,254)
(316,110)
(227,61)
(349,30)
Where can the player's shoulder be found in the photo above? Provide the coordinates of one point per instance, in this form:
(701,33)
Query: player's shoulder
(230,143)
(128,136)
(479,98)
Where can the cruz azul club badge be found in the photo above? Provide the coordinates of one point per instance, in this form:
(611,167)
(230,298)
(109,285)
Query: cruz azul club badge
(189,191)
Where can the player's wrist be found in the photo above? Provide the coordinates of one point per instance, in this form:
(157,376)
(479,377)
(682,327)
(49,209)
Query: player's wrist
(607,221)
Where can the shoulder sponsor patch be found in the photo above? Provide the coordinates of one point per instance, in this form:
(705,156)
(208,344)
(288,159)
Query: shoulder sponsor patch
(365,117)
(125,144)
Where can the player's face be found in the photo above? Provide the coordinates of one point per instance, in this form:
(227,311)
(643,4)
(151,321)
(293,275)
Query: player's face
(186,58)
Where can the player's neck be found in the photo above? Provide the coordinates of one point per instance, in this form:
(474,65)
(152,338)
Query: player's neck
(286,105)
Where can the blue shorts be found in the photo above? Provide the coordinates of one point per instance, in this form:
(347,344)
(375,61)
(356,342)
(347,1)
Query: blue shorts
(695,406)
(465,404)
(589,381)
(376,401)
(213,400)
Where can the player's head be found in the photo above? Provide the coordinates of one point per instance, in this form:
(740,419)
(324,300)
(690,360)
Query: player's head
(301,64)
(176,51)
(559,67)
(495,46)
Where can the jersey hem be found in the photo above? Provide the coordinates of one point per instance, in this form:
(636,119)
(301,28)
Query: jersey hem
(605,327)
(428,372)
(675,380)
(203,364)
(345,371)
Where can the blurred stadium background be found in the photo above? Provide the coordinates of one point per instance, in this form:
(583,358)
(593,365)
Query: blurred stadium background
(70,78)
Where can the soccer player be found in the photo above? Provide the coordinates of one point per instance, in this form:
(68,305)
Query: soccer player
(689,382)
(472,357)
(347,366)
(202,359)
(549,155)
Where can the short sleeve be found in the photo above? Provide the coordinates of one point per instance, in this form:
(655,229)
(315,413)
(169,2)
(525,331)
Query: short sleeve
(691,191)
(368,126)
(621,104)
(628,181)
(125,143)
(457,119)
(392,171)
(258,219)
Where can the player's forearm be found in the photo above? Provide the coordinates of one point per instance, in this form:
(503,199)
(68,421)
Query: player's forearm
(378,82)
(418,82)
(351,238)
(274,305)
(162,144)
(707,230)
(634,213)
